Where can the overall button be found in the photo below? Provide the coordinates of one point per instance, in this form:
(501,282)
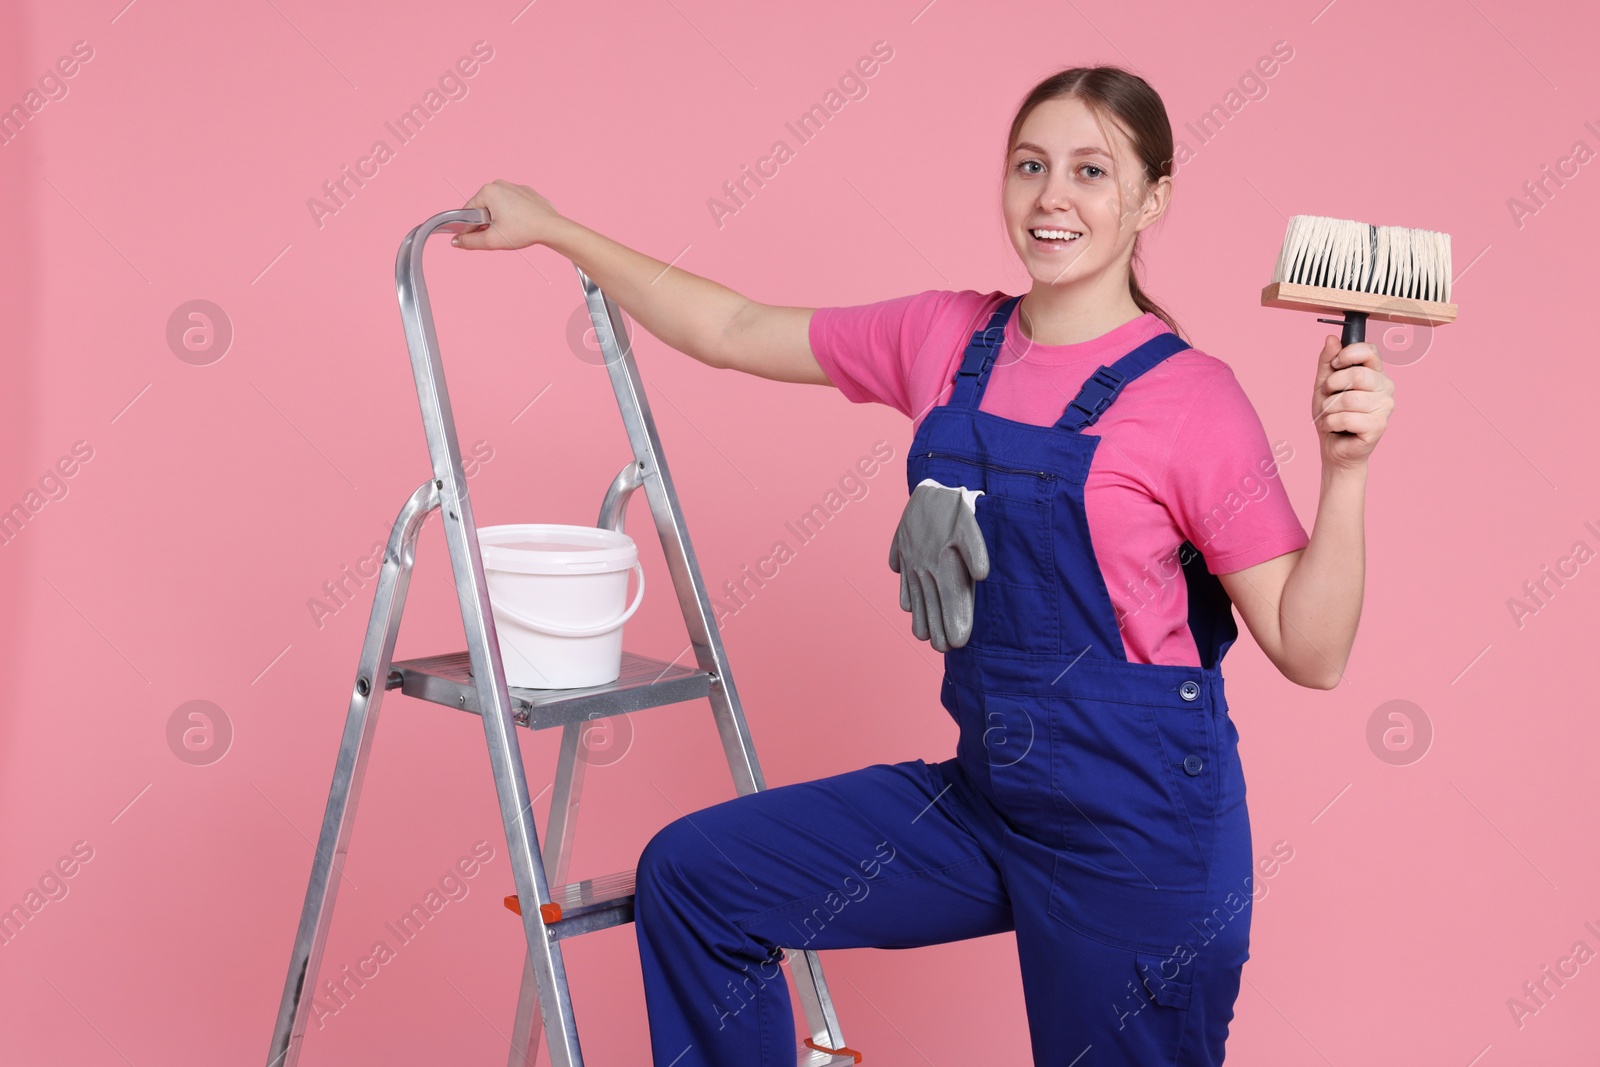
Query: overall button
(1189,690)
(1192,765)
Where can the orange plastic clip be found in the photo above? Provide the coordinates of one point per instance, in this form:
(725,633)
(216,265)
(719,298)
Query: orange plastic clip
(550,913)
(846,1051)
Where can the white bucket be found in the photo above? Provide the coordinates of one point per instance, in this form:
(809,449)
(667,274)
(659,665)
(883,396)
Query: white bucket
(558,594)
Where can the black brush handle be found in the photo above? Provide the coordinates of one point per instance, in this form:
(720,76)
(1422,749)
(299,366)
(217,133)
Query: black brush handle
(1355,328)
(1354,332)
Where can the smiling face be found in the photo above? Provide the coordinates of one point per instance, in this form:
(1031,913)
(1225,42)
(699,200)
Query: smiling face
(1069,215)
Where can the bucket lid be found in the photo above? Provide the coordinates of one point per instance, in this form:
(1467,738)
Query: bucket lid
(555,548)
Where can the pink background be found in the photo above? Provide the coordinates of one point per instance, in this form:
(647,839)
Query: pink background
(219,498)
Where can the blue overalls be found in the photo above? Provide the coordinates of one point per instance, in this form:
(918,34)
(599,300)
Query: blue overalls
(1095,805)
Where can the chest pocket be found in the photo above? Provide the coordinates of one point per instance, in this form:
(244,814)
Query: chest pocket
(1016,608)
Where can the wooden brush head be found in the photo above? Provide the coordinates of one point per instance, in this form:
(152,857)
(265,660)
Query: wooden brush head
(1386,308)
(1391,273)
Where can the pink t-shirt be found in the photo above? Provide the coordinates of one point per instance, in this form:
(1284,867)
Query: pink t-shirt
(1183,456)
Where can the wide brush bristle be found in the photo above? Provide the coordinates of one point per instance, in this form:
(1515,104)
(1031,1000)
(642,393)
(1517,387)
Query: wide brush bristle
(1385,260)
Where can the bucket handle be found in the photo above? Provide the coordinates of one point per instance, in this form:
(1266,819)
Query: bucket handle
(587,631)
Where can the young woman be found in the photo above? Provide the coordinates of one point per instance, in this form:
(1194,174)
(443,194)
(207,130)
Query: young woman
(1095,804)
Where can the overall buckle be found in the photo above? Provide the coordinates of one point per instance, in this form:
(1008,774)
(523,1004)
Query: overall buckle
(1098,392)
(989,341)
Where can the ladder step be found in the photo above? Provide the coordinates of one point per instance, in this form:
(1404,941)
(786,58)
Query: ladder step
(644,683)
(598,903)
(582,907)
(815,1055)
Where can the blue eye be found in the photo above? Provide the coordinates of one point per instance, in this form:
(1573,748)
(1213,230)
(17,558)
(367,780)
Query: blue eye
(1026,162)
(1092,166)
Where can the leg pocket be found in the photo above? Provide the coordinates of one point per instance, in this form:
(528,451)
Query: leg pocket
(1168,979)
(1157,1029)
(1093,1003)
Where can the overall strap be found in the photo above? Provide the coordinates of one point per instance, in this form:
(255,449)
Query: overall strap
(1106,383)
(973,375)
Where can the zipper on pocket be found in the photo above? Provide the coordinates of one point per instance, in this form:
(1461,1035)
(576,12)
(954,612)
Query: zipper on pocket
(990,466)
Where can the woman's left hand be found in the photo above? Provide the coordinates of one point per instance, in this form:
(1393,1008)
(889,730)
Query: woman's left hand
(1352,394)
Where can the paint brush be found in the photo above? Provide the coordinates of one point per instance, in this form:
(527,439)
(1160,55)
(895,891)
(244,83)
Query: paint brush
(1391,273)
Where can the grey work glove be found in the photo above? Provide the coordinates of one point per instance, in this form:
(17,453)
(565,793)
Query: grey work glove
(939,553)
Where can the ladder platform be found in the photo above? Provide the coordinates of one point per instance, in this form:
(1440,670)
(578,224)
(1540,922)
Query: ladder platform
(645,682)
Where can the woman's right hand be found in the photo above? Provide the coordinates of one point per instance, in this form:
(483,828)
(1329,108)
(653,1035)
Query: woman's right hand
(518,217)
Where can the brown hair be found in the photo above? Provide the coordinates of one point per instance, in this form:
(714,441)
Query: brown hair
(1133,105)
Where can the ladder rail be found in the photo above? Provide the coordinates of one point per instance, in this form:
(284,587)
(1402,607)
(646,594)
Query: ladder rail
(565,797)
(684,568)
(494,703)
(704,634)
(327,865)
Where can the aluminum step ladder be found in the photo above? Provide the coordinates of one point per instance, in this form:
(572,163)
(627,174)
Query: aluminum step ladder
(475,681)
